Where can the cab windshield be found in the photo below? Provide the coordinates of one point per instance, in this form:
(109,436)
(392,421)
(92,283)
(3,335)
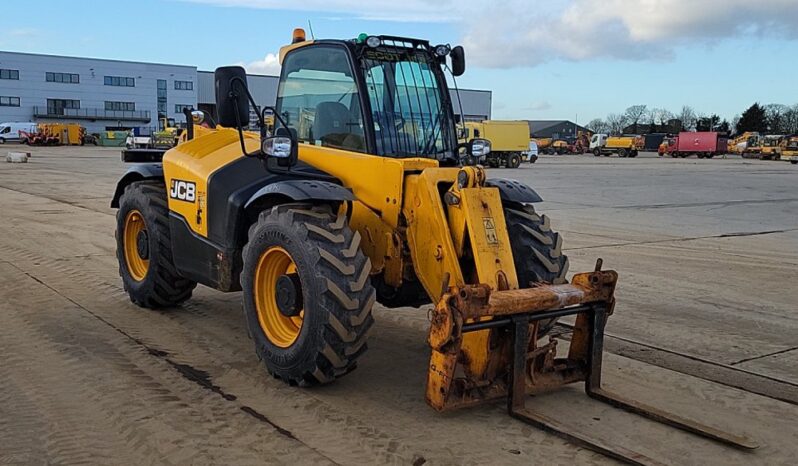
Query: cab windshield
(410,112)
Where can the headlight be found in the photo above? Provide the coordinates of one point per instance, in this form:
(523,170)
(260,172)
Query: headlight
(442,50)
(373,41)
(278,146)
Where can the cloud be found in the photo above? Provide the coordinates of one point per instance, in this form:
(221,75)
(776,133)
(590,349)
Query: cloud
(620,29)
(376,10)
(269,65)
(514,33)
(538,106)
(14,36)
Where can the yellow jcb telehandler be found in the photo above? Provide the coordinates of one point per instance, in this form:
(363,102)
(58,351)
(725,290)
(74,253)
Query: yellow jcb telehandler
(357,196)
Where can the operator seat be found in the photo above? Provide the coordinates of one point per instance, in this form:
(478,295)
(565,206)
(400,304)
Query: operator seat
(333,126)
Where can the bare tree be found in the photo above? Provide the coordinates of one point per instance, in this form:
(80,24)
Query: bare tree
(634,114)
(688,118)
(597,125)
(616,123)
(774,114)
(790,120)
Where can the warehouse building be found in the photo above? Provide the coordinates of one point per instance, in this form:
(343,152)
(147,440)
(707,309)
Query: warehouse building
(112,94)
(555,129)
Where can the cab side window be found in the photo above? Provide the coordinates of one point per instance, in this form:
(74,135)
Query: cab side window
(318,98)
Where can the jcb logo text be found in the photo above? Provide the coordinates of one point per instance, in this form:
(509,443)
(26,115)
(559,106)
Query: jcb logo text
(183,190)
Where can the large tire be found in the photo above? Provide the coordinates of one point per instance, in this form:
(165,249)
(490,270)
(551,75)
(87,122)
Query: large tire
(513,160)
(157,284)
(334,286)
(537,250)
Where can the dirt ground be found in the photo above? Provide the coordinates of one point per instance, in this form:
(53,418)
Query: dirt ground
(706,326)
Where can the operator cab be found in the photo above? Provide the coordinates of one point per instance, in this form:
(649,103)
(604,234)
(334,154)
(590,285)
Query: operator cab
(378,95)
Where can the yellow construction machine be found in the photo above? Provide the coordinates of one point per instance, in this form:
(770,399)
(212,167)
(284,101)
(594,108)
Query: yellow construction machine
(771,147)
(738,144)
(357,196)
(789,149)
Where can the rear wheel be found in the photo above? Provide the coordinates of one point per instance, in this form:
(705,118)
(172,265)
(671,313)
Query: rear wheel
(622,153)
(307,293)
(513,161)
(537,250)
(144,248)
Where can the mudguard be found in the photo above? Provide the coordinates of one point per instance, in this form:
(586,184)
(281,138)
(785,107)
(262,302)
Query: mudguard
(300,190)
(514,191)
(137,172)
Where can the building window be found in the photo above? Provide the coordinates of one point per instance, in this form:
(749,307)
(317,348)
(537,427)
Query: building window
(70,78)
(120,81)
(161,95)
(184,85)
(57,106)
(9,101)
(179,107)
(9,74)
(123,106)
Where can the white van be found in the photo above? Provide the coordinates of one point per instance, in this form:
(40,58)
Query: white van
(10,131)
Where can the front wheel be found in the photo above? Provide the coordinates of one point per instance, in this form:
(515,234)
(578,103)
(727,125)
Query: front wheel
(537,250)
(597,152)
(143,248)
(307,293)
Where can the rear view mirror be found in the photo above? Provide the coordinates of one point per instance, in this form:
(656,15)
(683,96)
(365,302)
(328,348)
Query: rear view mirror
(479,147)
(231,96)
(458,60)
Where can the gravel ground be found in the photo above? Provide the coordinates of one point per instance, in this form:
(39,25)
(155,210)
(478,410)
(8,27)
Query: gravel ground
(705,326)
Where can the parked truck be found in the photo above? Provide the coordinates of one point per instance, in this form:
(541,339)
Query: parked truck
(624,146)
(789,149)
(703,144)
(509,140)
(54,134)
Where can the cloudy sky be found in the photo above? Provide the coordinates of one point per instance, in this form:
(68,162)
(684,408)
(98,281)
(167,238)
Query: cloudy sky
(542,59)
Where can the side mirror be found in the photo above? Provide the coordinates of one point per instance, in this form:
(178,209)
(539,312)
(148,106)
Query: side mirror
(458,60)
(231,96)
(479,148)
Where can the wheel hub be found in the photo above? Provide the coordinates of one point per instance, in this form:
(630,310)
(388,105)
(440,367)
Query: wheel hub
(288,293)
(143,244)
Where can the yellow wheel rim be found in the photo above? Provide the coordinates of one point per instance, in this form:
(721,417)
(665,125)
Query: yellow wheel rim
(281,330)
(137,265)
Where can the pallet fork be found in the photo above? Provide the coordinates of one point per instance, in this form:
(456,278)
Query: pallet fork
(515,317)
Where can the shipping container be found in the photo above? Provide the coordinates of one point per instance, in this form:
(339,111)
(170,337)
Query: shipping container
(704,144)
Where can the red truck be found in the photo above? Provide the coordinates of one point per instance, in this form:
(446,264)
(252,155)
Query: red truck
(704,144)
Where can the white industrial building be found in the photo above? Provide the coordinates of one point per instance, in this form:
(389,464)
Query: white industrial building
(112,94)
